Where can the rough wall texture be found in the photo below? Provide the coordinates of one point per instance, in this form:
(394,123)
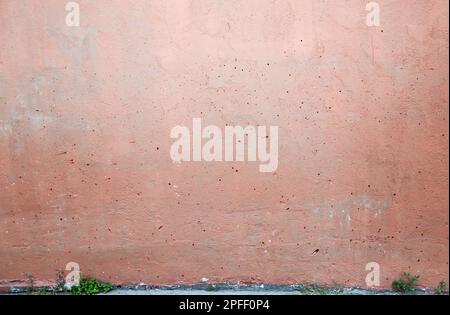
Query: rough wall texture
(85,117)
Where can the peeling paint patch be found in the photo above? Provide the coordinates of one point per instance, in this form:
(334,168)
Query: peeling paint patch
(344,208)
(5,128)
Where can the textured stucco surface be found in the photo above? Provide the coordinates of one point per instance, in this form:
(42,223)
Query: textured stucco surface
(85,117)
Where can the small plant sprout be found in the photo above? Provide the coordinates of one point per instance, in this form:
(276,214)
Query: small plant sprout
(89,286)
(442,287)
(406,284)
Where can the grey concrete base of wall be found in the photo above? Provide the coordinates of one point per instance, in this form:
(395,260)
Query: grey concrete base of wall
(227,289)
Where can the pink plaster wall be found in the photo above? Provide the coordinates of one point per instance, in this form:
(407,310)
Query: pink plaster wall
(85,117)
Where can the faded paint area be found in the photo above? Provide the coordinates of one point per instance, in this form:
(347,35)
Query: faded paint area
(85,117)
